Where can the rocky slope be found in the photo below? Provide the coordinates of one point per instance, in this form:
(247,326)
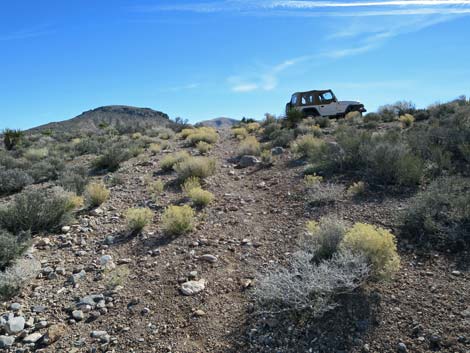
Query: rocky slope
(103,289)
(112,115)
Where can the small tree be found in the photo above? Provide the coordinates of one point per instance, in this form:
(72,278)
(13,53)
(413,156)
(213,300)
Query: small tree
(12,138)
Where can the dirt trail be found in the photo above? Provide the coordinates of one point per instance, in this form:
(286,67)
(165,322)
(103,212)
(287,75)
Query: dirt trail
(256,218)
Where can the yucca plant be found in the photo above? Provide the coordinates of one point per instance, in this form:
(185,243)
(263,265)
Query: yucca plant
(12,138)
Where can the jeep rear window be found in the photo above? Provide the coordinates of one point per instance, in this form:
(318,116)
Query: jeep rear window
(294,99)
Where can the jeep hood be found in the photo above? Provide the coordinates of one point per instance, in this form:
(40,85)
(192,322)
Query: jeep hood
(350,103)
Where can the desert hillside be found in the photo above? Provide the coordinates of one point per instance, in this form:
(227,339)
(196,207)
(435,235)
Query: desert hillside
(291,234)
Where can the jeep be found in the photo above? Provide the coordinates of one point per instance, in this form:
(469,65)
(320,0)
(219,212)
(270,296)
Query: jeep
(322,103)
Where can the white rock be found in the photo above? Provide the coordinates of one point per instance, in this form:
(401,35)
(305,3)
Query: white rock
(32,338)
(193,287)
(209,258)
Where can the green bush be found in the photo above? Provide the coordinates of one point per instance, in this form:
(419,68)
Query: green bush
(177,220)
(169,161)
(96,194)
(310,147)
(377,245)
(282,138)
(13,180)
(200,167)
(12,246)
(323,237)
(47,169)
(20,273)
(112,158)
(200,197)
(138,218)
(36,154)
(294,117)
(74,179)
(440,215)
(36,211)
(12,138)
(249,146)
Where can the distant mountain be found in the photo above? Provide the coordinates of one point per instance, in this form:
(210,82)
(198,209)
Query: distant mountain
(113,115)
(219,123)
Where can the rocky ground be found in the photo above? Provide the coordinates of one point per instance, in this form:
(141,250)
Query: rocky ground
(103,289)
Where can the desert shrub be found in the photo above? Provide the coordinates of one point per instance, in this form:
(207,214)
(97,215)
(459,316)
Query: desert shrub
(177,220)
(203,147)
(12,246)
(47,169)
(240,133)
(249,146)
(200,197)
(356,189)
(322,121)
(138,218)
(96,194)
(112,158)
(308,127)
(310,180)
(169,161)
(17,275)
(205,134)
(164,133)
(323,237)
(12,138)
(377,245)
(117,277)
(440,215)
(155,187)
(136,136)
(353,116)
(324,193)
(310,147)
(9,162)
(74,179)
(294,117)
(252,127)
(36,154)
(13,180)
(407,120)
(186,132)
(75,202)
(189,184)
(421,115)
(135,150)
(266,158)
(282,138)
(372,118)
(309,287)
(36,211)
(155,148)
(116,179)
(87,146)
(200,167)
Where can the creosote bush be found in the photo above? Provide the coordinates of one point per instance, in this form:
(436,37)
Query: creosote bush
(310,147)
(240,133)
(440,215)
(12,246)
(36,211)
(200,167)
(205,134)
(171,160)
(377,245)
(356,189)
(13,180)
(407,120)
(177,220)
(96,193)
(323,237)
(155,148)
(138,218)
(112,158)
(200,197)
(249,146)
(190,184)
(74,179)
(203,147)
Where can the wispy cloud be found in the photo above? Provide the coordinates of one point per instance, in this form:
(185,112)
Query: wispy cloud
(296,8)
(25,34)
(185,87)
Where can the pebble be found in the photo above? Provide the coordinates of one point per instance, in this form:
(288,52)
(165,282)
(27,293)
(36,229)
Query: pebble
(33,337)
(98,334)
(402,348)
(15,307)
(209,258)
(78,315)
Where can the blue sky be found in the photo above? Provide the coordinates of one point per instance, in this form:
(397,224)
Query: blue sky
(235,58)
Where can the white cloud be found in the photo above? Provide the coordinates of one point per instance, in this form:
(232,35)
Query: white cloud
(245,87)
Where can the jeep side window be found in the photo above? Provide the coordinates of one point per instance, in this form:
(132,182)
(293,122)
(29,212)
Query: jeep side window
(294,100)
(327,97)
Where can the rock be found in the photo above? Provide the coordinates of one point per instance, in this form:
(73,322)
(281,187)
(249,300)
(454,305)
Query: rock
(402,348)
(466,313)
(276,151)
(199,313)
(109,240)
(76,277)
(192,275)
(65,229)
(193,287)
(106,261)
(15,307)
(96,212)
(209,258)
(90,300)
(33,337)
(248,161)
(456,273)
(6,341)
(145,311)
(38,308)
(43,242)
(78,315)
(54,333)
(15,325)
(98,334)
